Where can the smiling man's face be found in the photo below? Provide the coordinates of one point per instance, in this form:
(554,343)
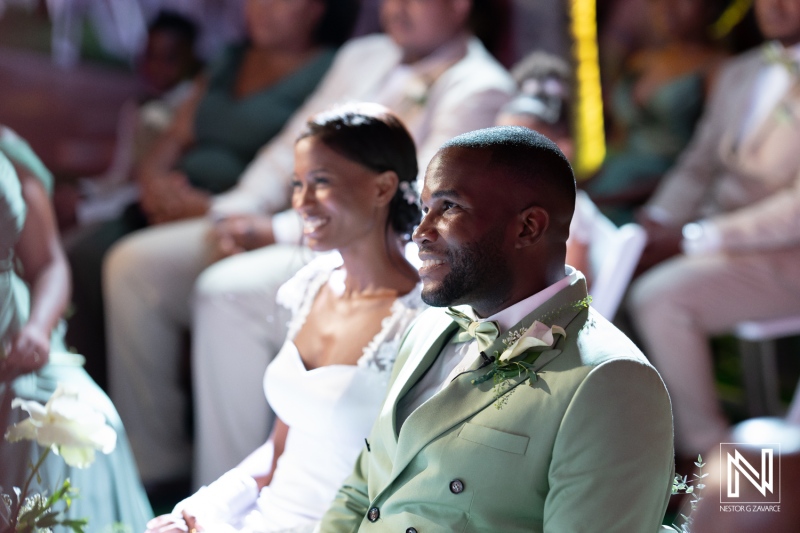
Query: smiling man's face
(466,233)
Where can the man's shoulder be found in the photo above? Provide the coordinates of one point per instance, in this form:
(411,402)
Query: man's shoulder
(594,344)
(601,341)
(744,64)
(369,47)
(480,69)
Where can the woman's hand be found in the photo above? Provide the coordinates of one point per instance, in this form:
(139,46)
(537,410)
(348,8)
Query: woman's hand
(45,269)
(29,351)
(171,523)
(663,242)
(169,197)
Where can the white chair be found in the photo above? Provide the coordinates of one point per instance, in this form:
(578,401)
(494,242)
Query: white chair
(613,255)
(759,365)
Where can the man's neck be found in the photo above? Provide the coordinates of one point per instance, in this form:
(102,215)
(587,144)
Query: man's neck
(515,308)
(452,48)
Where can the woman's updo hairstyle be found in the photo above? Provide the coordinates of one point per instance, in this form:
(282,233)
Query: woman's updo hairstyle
(372,136)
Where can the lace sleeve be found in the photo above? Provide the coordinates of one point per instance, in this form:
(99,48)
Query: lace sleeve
(380,353)
(297,294)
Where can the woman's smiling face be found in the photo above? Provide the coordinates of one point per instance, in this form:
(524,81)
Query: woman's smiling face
(336,197)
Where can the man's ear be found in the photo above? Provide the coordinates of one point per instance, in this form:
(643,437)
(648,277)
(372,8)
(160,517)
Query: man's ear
(533,222)
(386,185)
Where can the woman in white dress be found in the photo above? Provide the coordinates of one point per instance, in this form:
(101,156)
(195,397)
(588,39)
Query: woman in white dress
(354,170)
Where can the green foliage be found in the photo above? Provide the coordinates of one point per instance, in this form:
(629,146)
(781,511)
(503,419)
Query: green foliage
(694,487)
(39,513)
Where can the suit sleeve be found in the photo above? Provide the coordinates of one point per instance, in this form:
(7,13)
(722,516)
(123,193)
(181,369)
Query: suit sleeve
(768,224)
(612,462)
(686,185)
(351,503)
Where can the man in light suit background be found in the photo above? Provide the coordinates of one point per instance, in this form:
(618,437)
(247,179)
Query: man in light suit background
(437,77)
(730,210)
(579,440)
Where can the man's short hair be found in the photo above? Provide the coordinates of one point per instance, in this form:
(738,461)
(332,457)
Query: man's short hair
(529,158)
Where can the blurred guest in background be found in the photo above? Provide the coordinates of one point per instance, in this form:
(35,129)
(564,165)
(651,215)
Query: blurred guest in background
(655,103)
(33,358)
(726,221)
(165,69)
(238,105)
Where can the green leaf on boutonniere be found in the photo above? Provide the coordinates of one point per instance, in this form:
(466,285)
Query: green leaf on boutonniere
(523,348)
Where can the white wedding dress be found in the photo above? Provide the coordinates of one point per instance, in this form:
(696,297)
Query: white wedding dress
(329,410)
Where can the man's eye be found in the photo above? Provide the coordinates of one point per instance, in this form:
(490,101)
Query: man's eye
(296,184)
(446,206)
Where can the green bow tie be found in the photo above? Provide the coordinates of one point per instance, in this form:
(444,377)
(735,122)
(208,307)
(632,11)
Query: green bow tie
(484,332)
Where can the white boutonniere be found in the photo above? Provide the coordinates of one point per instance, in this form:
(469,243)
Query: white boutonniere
(538,336)
(417,91)
(522,348)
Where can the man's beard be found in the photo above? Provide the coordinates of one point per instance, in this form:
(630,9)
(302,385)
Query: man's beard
(478,272)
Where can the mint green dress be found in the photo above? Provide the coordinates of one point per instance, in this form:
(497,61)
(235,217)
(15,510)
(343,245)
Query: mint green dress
(110,490)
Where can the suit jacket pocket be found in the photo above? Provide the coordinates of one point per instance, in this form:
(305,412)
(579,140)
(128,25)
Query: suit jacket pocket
(499,440)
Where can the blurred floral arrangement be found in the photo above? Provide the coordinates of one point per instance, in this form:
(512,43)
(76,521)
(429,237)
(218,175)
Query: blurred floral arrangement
(70,428)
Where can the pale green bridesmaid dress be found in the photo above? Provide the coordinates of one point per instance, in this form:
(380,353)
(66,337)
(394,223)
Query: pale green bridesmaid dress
(111,495)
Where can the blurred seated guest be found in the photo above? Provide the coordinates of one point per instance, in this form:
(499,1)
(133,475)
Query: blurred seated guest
(725,222)
(428,69)
(543,104)
(655,104)
(34,291)
(165,69)
(353,166)
(236,107)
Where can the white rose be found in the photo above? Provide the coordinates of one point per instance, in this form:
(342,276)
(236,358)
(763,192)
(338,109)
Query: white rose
(537,336)
(71,427)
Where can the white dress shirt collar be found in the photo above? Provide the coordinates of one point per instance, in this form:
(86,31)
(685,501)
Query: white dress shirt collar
(510,316)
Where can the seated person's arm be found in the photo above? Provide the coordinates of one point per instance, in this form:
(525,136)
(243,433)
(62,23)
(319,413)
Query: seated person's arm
(352,501)
(232,492)
(166,193)
(261,463)
(45,269)
(612,460)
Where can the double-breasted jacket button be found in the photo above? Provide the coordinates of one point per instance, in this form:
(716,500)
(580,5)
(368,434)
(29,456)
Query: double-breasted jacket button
(456,486)
(374,514)
(411,530)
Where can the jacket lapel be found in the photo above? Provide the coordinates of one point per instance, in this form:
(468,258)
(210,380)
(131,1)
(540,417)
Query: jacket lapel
(741,91)
(424,350)
(784,113)
(461,399)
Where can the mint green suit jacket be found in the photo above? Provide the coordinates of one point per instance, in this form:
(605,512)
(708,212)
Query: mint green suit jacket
(588,446)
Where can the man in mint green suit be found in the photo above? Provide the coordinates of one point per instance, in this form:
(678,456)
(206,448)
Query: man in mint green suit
(519,409)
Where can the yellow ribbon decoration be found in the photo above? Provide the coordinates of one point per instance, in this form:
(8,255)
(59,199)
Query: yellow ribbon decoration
(589,132)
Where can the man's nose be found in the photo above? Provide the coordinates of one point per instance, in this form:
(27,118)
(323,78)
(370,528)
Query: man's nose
(425,231)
